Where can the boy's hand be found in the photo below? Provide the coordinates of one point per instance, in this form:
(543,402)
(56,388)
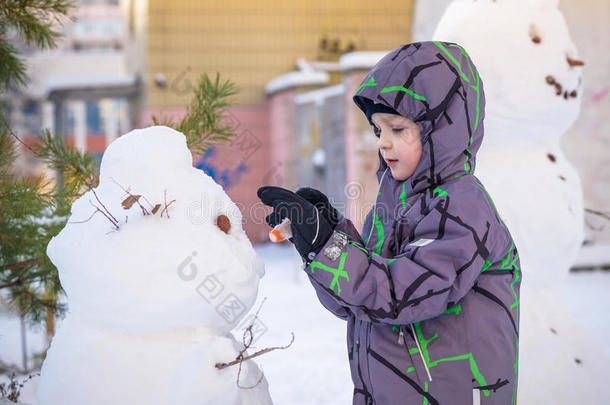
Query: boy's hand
(310,227)
(319,199)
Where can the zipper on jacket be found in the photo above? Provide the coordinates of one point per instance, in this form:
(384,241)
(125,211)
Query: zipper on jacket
(366,392)
(368,362)
(420,353)
(356,340)
(401,341)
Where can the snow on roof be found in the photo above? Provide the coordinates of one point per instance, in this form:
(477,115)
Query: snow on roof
(326,65)
(361,60)
(312,73)
(80,82)
(307,75)
(49,71)
(319,95)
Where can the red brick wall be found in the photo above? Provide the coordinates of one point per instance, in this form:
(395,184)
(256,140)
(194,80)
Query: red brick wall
(240,166)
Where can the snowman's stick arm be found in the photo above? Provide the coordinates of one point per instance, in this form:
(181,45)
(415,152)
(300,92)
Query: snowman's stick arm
(241,358)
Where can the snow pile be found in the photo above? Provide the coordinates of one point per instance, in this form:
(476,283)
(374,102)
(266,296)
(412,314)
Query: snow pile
(532,78)
(528,41)
(516,45)
(155,289)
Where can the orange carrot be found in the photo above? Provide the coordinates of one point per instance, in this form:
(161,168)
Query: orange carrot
(281,231)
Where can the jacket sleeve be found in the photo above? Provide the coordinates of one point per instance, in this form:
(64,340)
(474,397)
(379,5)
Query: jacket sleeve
(329,302)
(436,265)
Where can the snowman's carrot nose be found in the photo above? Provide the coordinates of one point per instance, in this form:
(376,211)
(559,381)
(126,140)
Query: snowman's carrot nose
(281,231)
(223,222)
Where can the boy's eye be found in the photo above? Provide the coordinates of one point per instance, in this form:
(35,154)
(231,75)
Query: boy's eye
(397,129)
(376,131)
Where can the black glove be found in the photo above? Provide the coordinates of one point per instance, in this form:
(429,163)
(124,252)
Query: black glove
(319,199)
(310,227)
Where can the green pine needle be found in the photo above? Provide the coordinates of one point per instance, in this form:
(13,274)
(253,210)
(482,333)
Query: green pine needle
(35,22)
(202,124)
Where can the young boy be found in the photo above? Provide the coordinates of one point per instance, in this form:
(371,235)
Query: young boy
(430,291)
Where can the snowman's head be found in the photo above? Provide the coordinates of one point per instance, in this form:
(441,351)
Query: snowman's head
(528,63)
(187,263)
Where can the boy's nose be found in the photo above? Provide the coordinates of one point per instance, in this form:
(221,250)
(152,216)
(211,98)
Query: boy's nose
(384,142)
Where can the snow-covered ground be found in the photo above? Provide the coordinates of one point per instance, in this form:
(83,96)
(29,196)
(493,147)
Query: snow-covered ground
(588,300)
(315,368)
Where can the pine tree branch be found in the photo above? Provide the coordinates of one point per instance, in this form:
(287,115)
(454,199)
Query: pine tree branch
(29,217)
(202,125)
(20,265)
(37,22)
(32,210)
(8,128)
(77,167)
(11,284)
(13,69)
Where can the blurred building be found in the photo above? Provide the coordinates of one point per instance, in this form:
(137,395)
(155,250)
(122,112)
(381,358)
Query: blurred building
(81,89)
(122,62)
(294,120)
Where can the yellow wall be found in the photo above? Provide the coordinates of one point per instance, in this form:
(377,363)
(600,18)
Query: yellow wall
(251,42)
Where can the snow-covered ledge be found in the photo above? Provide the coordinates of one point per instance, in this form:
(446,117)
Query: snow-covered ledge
(307,75)
(318,96)
(592,257)
(361,60)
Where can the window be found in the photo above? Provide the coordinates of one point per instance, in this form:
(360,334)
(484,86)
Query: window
(32,117)
(95,124)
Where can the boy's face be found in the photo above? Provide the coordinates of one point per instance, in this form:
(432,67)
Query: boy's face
(398,143)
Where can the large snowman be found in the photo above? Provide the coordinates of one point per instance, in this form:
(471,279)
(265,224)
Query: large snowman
(532,77)
(157,270)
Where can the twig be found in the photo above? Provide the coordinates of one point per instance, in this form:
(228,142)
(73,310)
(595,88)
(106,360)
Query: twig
(260,352)
(86,220)
(598,213)
(11,390)
(166,204)
(10,131)
(136,198)
(248,388)
(98,200)
(149,203)
(104,214)
(240,358)
(249,328)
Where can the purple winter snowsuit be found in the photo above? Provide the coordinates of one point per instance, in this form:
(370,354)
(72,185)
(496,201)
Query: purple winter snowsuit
(430,291)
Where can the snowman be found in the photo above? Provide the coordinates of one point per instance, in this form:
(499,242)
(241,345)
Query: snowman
(532,77)
(157,270)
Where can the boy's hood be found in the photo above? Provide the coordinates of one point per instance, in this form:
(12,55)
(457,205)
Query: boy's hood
(436,85)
